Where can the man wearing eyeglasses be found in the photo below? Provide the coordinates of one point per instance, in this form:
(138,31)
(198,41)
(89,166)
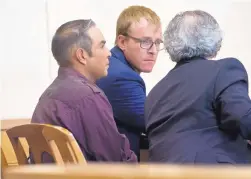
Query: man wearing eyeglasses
(138,41)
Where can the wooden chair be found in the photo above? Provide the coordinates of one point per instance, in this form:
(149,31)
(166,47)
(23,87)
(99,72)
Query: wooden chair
(63,145)
(32,134)
(7,151)
(8,156)
(56,141)
(4,163)
(128,171)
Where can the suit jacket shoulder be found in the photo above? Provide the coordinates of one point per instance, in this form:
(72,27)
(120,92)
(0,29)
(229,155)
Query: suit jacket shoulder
(231,64)
(119,69)
(230,71)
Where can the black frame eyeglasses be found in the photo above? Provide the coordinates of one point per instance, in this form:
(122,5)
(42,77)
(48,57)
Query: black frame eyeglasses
(147,43)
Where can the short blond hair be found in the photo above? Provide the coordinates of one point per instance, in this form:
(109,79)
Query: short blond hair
(134,14)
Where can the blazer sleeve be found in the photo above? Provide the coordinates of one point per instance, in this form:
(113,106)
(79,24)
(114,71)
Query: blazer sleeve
(128,102)
(232,102)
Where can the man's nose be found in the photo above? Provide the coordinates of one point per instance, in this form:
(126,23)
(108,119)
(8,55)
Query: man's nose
(153,49)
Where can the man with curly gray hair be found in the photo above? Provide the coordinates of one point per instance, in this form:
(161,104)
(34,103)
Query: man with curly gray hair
(192,34)
(200,112)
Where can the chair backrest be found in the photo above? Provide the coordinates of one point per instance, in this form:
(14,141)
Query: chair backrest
(58,142)
(128,171)
(32,134)
(63,145)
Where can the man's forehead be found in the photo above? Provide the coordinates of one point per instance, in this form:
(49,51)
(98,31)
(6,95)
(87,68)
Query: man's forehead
(152,31)
(143,23)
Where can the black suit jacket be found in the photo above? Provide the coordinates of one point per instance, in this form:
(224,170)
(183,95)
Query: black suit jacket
(200,113)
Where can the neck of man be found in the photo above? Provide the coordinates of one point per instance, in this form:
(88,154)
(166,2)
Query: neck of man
(84,72)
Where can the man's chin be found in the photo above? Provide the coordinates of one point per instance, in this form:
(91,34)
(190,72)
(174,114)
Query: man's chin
(103,75)
(149,70)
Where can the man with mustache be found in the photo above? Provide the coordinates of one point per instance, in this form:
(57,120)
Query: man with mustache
(74,101)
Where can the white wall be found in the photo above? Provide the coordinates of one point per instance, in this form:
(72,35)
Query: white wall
(25,72)
(27,66)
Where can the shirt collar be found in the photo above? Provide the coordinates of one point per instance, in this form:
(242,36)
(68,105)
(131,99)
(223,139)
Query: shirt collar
(69,71)
(188,60)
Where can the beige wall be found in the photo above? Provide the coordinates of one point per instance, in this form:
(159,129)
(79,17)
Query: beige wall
(27,66)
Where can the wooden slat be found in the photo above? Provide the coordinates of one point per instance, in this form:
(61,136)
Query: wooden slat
(8,150)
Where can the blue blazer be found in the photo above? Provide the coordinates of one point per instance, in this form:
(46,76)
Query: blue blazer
(200,112)
(126,92)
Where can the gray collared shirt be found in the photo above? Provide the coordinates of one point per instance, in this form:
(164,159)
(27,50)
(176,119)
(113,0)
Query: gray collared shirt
(78,105)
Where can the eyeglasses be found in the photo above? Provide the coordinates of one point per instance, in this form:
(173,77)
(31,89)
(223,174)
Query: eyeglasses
(148,43)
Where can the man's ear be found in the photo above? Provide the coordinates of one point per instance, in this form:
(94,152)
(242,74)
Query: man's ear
(81,55)
(121,42)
